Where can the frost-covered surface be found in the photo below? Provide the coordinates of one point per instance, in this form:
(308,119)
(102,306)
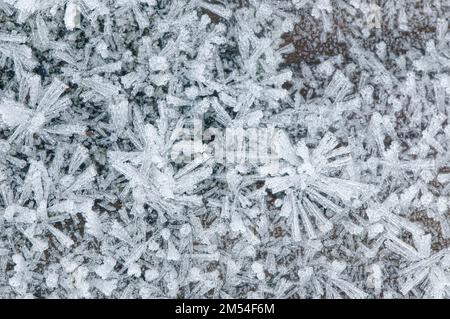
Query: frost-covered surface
(104,194)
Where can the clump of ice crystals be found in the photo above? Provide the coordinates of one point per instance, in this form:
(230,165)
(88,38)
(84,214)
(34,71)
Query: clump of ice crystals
(224,149)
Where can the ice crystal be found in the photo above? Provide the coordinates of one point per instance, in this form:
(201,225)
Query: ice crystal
(224,149)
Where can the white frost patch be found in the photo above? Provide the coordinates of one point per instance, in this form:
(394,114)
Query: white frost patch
(72,16)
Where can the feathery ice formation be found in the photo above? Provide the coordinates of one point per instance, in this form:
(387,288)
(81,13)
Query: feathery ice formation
(320,168)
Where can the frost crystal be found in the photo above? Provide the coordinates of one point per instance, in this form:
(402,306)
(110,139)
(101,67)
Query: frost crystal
(224,149)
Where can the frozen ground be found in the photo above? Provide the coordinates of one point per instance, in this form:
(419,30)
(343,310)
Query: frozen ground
(224,149)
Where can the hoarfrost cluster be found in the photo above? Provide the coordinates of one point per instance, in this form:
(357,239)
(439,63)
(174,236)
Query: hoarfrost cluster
(224,149)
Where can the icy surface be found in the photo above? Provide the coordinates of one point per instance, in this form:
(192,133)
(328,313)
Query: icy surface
(224,149)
